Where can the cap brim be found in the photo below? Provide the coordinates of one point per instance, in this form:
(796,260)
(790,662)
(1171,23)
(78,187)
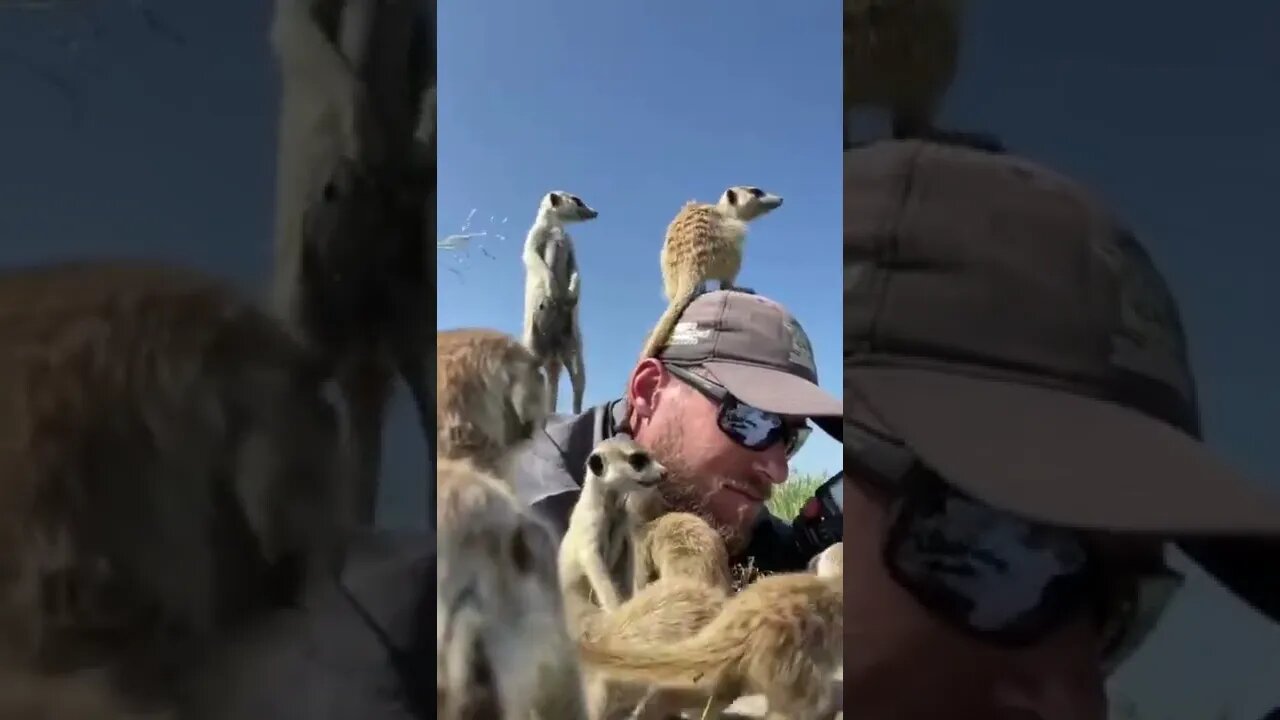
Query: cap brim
(774,390)
(1059,457)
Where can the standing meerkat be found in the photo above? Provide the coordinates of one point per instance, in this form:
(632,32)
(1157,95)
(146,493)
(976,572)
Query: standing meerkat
(490,397)
(681,545)
(165,468)
(596,552)
(705,242)
(901,55)
(502,647)
(552,286)
(782,636)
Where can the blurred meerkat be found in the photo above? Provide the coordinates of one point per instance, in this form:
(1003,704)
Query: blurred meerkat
(552,286)
(901,55)
(76,696)
(350,273)
(503,650)
(782,636)
(829,562)
(705,242)
(165,468)
(597,550)
(681,545)
(490,397)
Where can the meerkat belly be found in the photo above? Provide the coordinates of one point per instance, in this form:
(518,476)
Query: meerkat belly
(557,256)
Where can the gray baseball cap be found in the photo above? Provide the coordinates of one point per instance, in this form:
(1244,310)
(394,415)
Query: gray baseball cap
(1009,329)
(754,348)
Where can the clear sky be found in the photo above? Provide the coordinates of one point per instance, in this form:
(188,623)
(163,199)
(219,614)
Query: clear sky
(173,157)
(638,107)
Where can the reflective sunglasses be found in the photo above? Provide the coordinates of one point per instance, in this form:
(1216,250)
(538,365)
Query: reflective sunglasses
(747,425)
(995,575)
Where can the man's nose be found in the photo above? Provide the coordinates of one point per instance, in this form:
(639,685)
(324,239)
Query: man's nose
(772,465)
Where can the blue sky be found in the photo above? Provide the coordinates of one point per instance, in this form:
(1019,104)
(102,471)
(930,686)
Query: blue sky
(638,107)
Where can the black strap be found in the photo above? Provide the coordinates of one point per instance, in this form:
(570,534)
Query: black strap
(409,667)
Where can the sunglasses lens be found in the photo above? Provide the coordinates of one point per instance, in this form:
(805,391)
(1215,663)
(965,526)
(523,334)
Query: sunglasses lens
(990,572)
(751,427)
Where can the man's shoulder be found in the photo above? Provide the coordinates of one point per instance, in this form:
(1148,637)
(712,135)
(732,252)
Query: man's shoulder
(552,462)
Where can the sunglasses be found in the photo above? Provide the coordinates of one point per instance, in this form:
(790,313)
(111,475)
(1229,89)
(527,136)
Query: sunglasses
(995,575)
(747,425)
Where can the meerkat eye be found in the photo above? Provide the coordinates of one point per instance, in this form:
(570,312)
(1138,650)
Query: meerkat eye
(638,461)
(732,196)
(595,464)
(521,555)
(756,192)
(555,200)
(577,201)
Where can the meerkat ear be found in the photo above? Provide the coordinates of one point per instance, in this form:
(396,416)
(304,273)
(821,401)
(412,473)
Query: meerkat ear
(555,199)
(732,195)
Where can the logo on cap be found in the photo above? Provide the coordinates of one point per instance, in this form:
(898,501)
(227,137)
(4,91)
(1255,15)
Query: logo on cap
(801,352)
(688,333)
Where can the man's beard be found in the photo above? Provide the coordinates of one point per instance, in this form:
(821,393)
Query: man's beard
(684,490)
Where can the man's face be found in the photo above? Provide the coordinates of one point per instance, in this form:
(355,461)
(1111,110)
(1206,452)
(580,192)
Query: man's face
(707,471)
(906,663)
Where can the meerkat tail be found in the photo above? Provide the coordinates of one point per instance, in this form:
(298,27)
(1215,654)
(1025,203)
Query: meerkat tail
(694,664)
(666,324)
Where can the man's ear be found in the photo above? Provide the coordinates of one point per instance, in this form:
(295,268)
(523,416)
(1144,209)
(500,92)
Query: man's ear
(642,389)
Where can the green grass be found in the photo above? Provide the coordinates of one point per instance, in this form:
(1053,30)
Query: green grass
(790,496)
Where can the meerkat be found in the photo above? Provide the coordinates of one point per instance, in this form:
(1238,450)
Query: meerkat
(901,55)
(552,286)
(670,609)
(165,467)
(782,636)
(503,648)
(829,562)
(596,552)
(705,242)
(683,545)
(490,397)
(350,275)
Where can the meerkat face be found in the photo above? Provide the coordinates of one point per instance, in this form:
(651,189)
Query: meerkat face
(745,202)
(621,465)
(566,207)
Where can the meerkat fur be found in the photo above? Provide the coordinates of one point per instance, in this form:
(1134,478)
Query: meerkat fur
(165,455)
(901,56)
(782,636)
(502,643)
(669,609)
(490,397)
(552,287)
(705,242)
(680,545)
(597,550)
(829,562)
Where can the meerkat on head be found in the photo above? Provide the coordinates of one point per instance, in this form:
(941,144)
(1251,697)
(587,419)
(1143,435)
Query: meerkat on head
(746,202)
(619,493)
(705,242)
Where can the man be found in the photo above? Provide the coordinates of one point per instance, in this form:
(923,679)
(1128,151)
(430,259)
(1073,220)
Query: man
(1021,433)
(723,406)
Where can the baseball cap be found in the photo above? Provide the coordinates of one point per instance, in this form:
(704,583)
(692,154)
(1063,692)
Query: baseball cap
(1011,331)
(755,349)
